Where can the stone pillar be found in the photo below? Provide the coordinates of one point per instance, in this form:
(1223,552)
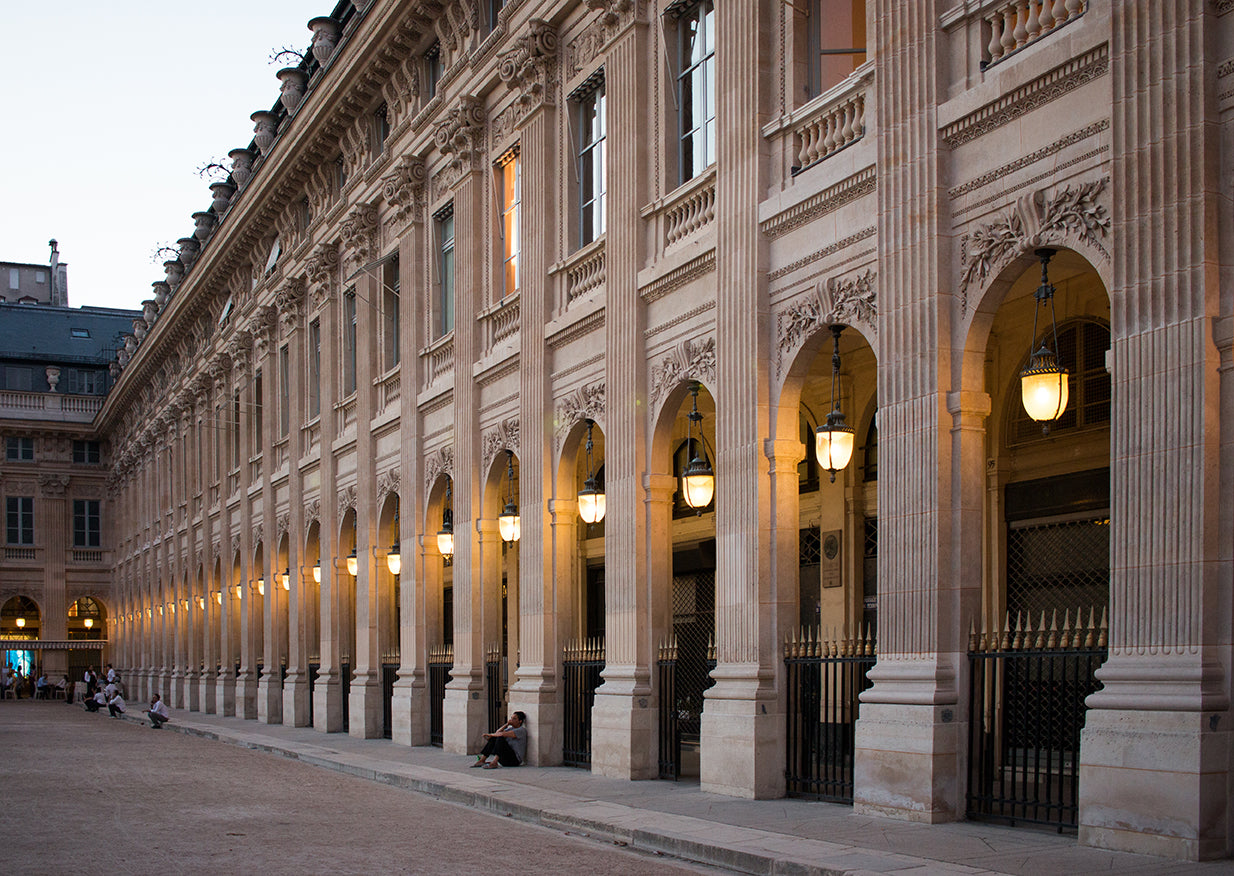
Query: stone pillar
(1155,755)
(246,683)
(297,708)
(910,743)
(270,685)
(623,724)
(464,710)
(53,522)
(742,723)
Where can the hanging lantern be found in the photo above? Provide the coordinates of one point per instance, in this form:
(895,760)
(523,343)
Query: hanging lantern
(201,602)
(591,503)
(218,597)
(445,538)
(317,571)
(352,564)
(1043,384)
(508,523)
(286,578)
(238,591)
(394,557)
(261,586)
(21,623)
(833,441)
(89,622)
(698,481)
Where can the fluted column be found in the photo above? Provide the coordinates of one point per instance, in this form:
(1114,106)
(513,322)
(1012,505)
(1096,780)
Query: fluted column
(297,707)
(911,732)
(1155,754)
(328,691)
(623,735)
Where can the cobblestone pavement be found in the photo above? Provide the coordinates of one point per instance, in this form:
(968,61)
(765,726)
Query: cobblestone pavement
(84,793)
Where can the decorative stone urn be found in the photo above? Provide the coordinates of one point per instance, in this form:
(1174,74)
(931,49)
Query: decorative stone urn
(162,291)
(265,124)
(291,91)
(189,250)
(222,192)
(150,312)
(326,32)
(205,225)
(175,272)
(140,329)
(53,377)
(241,165)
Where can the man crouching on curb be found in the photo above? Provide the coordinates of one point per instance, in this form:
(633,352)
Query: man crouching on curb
(157,713)
(507,746)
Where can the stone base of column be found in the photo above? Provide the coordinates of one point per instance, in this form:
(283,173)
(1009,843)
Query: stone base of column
(1156,783)
(328,702)
(246,695)
(410,710)
(176,690)
(464,716)
(206,688)
(192,691)
(535,694)
(162,685)
(297,707)
(365,707)
(225,692)
(624,726)
(742,736)
(270,698)
(907,762)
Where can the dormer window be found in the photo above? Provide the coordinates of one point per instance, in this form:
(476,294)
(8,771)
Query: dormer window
(276,250)
(79,333)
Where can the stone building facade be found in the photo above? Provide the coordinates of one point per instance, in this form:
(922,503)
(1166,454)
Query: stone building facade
(480,253)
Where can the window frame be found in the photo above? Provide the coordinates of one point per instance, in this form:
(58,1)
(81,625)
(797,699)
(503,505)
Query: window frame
(18,449)
(390,313)
(87,523)
(349,338)
(87,452)
(509,170)
(445,303)
(816,84)
(19,520)
(703,12)
(313,372)
(591,151)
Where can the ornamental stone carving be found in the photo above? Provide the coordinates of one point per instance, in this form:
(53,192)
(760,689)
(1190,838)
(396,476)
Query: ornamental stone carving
(387,483)
(322,268)
(403,189)
(503,436)
(1036,219)
(438,463)
(616,14)
(402,90)
(282,523)
(689,360)
(346,501)
(531,65)
(53,486)
(312,513)
(289,300)
(584,403)
(841,300)
(461,136)
(361,233)
(257,533)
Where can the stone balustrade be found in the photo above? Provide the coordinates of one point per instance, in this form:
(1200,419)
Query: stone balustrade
(500,322)
(388,392)
(280,455)
(688,210)
(834,124)
(440,360)
(1014,24)
(586,274)
(310,437)
(346,416)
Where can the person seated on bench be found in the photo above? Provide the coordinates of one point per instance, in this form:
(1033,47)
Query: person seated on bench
(96,702)
(42,690)
(157,713)
(507,746)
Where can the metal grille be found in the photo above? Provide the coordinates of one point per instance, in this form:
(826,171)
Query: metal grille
(1026,701)
(345,683)
(1058,565)
(440,662)
(810,547)
(493,686)
(824,680)
(685,665)
(314,670)
(582,664)
(389,674)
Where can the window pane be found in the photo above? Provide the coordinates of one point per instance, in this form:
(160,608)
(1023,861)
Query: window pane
(314,376)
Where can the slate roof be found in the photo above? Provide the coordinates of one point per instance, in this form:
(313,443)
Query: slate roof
(42,333)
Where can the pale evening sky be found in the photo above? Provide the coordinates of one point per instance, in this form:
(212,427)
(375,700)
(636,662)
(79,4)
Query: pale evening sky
(107,110)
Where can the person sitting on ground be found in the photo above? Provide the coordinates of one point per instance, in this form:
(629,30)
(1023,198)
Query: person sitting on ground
(506,746)
(115,706)
(110,689)
(96,702)
(42,690)
(157,713)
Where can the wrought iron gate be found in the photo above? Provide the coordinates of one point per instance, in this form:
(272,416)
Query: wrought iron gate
(314,669)
(1026,708)
(440,662)
(582,663)
(494,686)
(389,674)
(824,680)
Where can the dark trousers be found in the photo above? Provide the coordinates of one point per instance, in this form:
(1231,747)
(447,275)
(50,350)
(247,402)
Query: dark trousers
(115,713)
(500,746)
(156,721)
(91,705)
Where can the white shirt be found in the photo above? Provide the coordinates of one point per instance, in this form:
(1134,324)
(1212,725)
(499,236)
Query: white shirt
(118,702)
(100,698)
(111,676)
(159,709)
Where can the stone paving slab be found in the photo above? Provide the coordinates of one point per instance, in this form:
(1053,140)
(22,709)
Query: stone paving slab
(786,837)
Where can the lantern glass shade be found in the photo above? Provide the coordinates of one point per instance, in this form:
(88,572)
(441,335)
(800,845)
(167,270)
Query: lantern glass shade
(317,572)
(286,579)
(698,483)
(238,591)
(89,622)
(445,542)
(353,565)
(394,560)
(591,502)
(201,602)
(218,597)
(21,623)
(833,442)
(261,586)
(1043,386)
(508,523)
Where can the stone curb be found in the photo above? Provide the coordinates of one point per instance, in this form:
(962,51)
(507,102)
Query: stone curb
(658,834)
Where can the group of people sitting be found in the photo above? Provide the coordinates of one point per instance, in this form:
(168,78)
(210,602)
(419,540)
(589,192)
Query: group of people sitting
(111,695)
